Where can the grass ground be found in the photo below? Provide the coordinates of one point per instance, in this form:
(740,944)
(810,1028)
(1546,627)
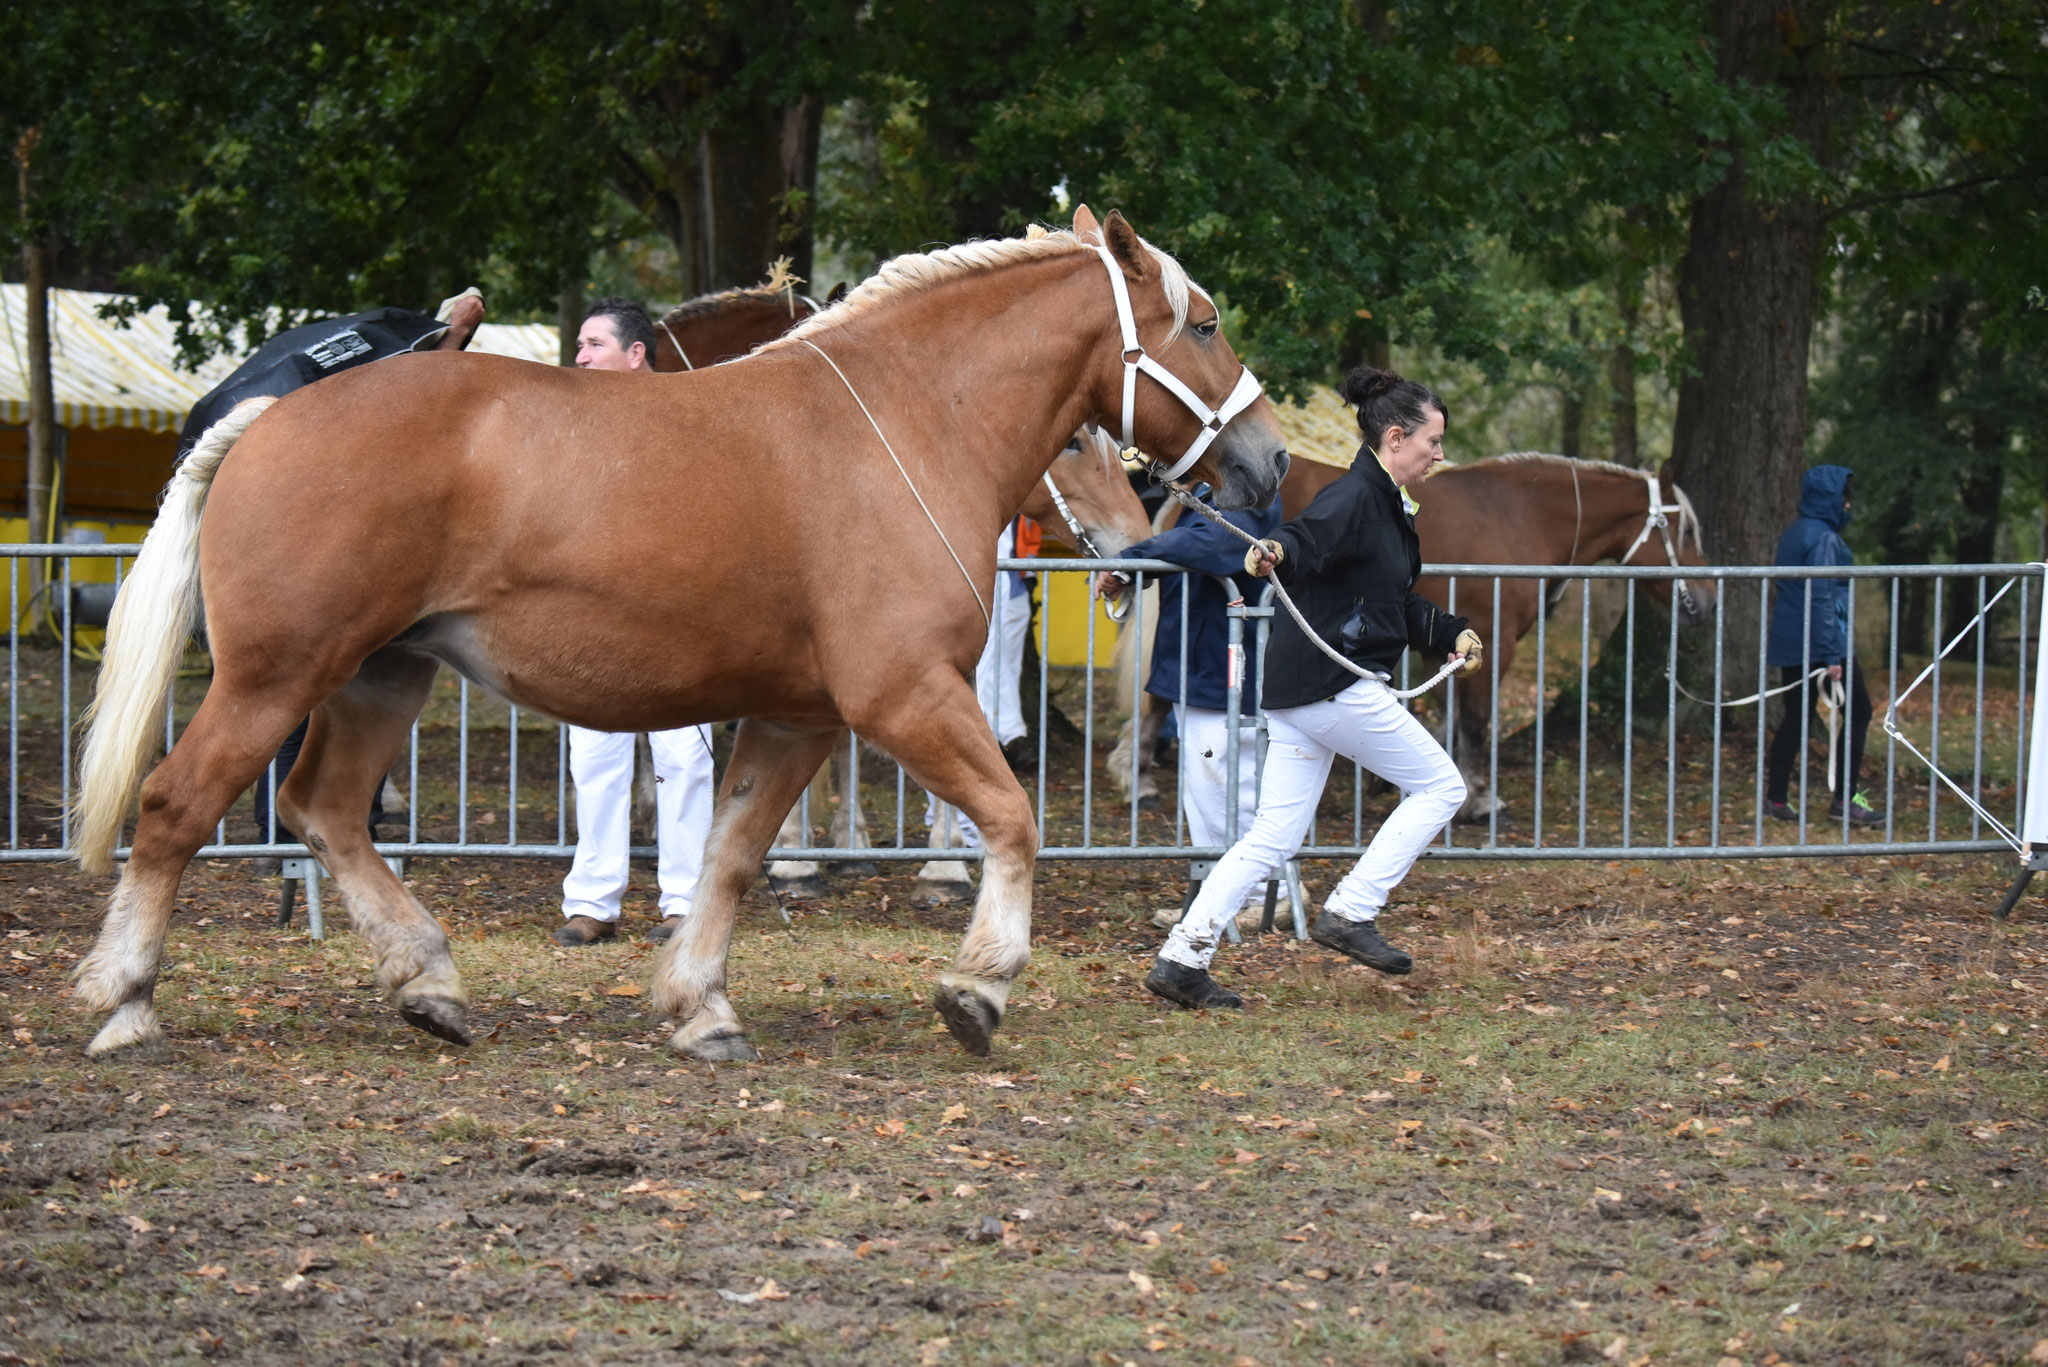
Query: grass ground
(1713,1114)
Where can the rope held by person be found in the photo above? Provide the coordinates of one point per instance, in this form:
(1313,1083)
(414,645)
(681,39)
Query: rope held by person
(1455,664)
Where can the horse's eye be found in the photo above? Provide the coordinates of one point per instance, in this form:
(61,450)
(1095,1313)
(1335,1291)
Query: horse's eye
(1206,330)
(1073,447)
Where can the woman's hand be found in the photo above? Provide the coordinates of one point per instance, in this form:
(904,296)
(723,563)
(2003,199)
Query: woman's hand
(1261,559)
(1469,646)
(1111,584)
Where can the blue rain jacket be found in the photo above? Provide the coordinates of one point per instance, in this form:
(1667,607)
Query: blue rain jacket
(1210,551)
(1815,538)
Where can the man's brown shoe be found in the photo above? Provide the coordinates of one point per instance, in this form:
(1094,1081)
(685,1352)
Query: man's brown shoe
(586,930)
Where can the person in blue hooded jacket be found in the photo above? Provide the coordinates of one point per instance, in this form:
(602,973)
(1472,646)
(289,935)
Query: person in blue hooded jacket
(1201,721)
(1810,630)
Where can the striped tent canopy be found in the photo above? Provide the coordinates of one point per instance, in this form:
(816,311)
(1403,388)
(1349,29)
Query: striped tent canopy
(108,375)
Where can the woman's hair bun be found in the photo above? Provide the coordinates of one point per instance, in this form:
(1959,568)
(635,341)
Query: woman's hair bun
(1365,383)
(1384,399)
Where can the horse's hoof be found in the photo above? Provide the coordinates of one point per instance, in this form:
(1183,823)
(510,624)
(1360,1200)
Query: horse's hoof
(724,1046)
(857,868)
(971,1017)
(805,889)
(1148,802)
(441,1017)
(132,1032)
(936,892)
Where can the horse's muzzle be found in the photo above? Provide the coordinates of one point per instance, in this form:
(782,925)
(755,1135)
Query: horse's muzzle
(1251,471)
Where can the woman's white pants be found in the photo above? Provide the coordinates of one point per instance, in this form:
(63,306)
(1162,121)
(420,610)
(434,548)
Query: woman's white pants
(1365,723)
(601,766)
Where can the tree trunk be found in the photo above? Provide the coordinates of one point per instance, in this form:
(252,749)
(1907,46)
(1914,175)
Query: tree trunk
(42,395)
(744,195)
(1571,440)
(569,320)
(1982,488)
(1746,290)
(1746,294)
(1621,373)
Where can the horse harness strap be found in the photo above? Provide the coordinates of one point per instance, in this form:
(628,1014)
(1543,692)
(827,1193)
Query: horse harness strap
(1659,522)
(1578,515)
(663,325)
(972,587)
(1135,359)
(1119,608)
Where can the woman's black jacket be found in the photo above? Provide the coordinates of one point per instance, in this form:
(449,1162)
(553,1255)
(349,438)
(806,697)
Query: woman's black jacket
(1350,562)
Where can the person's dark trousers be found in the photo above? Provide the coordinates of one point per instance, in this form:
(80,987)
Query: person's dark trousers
(287,756)
(1805,701)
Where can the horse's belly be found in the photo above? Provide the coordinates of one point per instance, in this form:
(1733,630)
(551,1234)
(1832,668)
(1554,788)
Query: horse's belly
(606,678)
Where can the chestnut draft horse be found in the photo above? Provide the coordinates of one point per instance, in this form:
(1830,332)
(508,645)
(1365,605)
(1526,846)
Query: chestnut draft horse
(516,539)
(1521,509)
(1091,485)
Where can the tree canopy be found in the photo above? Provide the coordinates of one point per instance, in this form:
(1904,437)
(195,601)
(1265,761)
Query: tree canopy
(1509,186)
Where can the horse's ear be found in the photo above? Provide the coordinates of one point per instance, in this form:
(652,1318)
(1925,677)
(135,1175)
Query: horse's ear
(1085,226)
(1126,247)
(838,293)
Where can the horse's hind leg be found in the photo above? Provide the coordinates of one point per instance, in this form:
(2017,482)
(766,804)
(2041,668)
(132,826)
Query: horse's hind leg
(231,738)
(941,737)
(770,766)
(355,737)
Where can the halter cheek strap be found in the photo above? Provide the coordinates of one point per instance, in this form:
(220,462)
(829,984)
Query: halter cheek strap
(1658,521)
(1135,359)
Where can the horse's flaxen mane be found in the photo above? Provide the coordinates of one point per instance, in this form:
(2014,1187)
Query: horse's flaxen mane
(915,271)
(1688,520)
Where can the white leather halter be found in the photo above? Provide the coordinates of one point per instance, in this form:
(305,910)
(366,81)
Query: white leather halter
(1135,359)
(1659,521)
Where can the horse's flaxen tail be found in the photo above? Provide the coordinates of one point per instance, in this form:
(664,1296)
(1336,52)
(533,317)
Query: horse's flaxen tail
(146,634)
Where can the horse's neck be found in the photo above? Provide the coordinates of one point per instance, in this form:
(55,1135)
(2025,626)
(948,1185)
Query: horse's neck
(963,381)
(1615,507)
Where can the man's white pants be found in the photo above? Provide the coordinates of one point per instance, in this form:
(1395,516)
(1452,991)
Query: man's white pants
(601,766)
(1365,723)
(1204,767)
(997,676)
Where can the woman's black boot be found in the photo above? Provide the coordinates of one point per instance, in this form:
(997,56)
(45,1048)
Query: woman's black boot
(1190,987)
(1361,940)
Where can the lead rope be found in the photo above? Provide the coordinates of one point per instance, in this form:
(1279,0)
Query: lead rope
(663,325)
(1180,491)
(972,587)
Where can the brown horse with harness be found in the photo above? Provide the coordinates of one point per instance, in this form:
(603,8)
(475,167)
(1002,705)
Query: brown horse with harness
(509,541)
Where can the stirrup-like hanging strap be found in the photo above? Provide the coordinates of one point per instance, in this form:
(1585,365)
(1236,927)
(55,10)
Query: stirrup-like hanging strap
(1135,359)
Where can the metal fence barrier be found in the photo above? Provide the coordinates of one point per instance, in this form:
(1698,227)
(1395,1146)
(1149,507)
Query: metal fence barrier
(1586,759)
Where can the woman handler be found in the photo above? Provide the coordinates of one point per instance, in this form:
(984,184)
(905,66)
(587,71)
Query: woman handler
(1350,562)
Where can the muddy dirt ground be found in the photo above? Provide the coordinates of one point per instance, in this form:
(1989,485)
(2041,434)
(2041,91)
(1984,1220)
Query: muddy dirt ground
(1627,1113)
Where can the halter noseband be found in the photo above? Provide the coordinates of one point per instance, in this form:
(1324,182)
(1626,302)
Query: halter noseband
(1135,359)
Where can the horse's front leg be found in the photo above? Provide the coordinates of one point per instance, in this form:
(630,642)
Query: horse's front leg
(770,766)
(939,734)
